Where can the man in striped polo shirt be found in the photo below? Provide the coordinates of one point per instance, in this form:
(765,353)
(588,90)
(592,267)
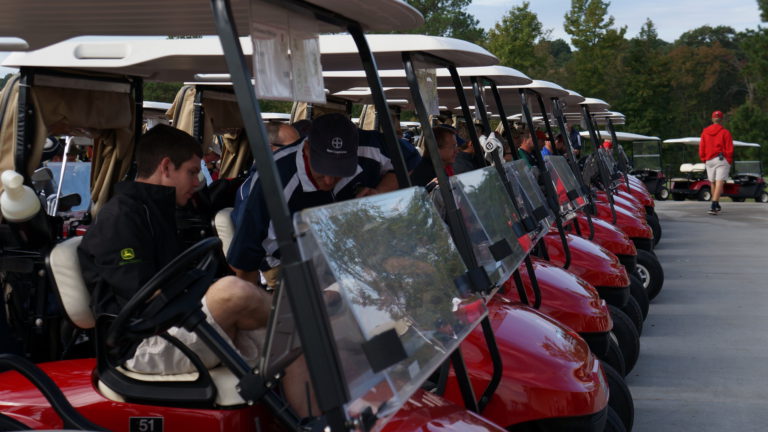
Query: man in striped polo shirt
(330,165)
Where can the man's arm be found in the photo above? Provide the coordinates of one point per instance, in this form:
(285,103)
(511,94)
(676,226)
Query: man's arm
(387,183)
(728,146)
(702,143)
(122,258)
(246,252)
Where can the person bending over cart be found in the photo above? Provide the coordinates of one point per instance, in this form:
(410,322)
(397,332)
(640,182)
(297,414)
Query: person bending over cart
(330,165)
(716,151)
(134,236)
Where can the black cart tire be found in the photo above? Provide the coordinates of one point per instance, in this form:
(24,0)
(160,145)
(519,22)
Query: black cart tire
(649,271)
(704,194)
(653,221)
(626,334)
(678,197)
(637,290)
(614,357)
(662,194)
(620,398)
(614,423)
(762,197)
(633,311)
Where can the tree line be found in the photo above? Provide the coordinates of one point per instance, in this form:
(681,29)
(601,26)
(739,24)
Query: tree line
(666,89)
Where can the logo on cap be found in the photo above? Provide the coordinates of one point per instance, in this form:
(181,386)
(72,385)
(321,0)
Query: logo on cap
(337,143)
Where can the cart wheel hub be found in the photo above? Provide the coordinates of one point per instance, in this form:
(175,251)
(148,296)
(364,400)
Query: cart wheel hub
(644,275)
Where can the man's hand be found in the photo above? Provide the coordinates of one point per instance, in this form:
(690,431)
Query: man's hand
(365,191)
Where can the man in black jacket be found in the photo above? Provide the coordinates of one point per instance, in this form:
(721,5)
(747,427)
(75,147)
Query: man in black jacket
(135,235)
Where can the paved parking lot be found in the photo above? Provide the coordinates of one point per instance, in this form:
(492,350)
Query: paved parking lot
(704,357)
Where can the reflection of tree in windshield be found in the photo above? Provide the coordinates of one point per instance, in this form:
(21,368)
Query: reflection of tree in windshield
(395,263)
(399,250)
(493,218)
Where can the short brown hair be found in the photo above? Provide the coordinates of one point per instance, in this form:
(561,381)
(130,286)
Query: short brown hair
(442,133)
(164,141)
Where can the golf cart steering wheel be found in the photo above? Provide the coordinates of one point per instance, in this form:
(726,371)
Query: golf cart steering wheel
(170,297)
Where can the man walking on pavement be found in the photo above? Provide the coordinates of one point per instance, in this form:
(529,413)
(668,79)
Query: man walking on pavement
(716,151)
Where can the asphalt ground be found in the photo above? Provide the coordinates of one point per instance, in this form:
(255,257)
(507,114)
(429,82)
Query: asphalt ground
(704,350)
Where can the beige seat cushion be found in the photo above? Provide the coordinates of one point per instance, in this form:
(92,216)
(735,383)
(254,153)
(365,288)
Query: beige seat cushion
(686,168)
(699,167)
(69,281)
(225,382)
(225,229)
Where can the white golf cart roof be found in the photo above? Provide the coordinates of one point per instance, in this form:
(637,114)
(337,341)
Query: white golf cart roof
(158,106)
(194,59)
(572,99)
(388,50)
(695,141)
(273,116)
(546,89)
(622,136)
(537,120)
(596,105)
(502,75)
(397,96)
(44,22)
(602,117)
(510,96)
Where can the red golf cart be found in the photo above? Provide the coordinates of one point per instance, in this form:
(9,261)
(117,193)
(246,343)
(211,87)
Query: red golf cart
(745,182)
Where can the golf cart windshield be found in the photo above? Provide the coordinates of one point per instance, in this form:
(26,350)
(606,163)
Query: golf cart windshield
(490,218)
(748,168)
(566,185)
(605,157)
(646,156)
(622,159)
(403,308)
(530,200)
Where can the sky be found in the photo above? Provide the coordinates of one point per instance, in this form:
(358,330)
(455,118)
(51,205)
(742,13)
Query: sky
(671,17)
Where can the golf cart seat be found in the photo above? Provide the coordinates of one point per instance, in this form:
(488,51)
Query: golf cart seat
(225,229)
(64,265)
(699,167)
(686,167)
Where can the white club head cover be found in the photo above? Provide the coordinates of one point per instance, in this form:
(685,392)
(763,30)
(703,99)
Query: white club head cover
(490,144)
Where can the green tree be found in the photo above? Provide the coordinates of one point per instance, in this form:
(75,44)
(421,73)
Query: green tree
(588,23)
(754,45)
(707,35)
(161,91)
(645,95)
(763,5)
(4,80)
(448,18)
(560,51)
(596,68)
(747,123)
(514,39)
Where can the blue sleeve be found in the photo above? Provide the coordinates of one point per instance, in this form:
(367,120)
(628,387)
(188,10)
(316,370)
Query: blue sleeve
(251,217)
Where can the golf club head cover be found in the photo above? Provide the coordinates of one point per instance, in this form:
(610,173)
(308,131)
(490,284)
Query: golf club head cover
(490,144)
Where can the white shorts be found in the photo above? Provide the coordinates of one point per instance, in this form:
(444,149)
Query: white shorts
(717,169)
(156,355)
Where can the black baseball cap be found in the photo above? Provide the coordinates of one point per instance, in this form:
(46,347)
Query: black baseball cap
(333,142)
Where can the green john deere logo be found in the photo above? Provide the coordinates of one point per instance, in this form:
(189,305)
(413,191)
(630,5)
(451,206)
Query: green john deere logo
(127,254)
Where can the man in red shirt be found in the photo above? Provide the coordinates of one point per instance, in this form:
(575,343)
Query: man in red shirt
(716,151)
